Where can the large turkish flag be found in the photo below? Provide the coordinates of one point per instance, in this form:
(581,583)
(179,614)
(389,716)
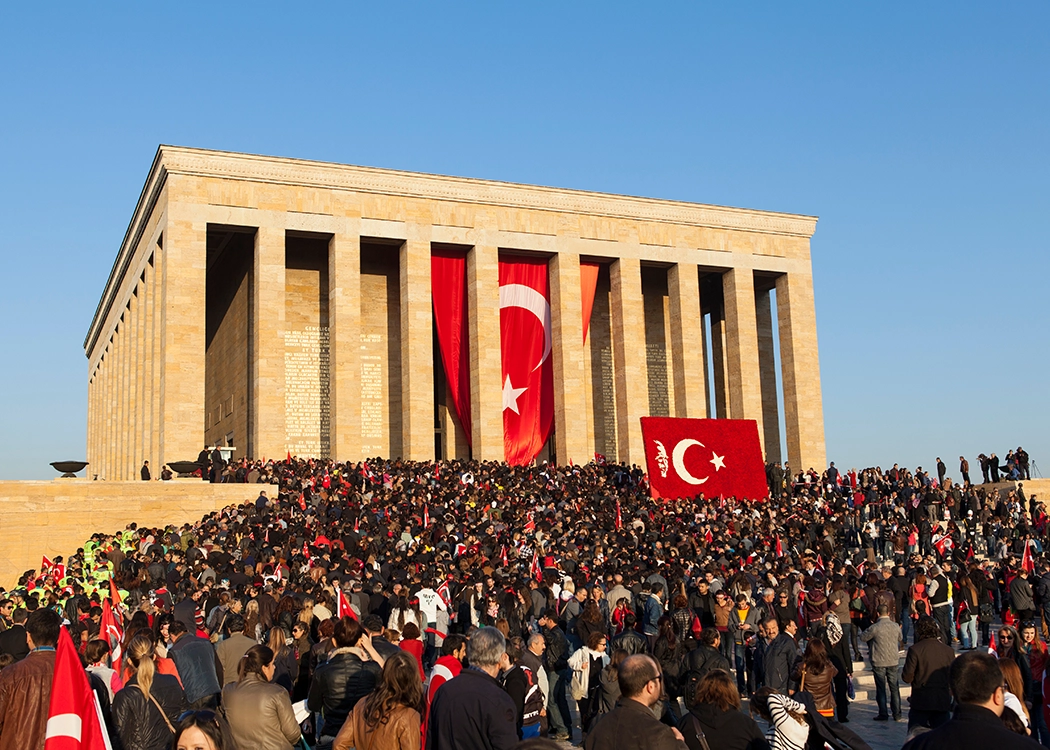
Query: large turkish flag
(525,343)
(716,457)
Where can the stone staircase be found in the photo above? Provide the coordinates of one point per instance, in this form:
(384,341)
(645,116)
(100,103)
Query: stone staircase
(864,683)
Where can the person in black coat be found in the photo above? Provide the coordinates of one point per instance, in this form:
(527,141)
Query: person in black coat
(926,669)
(632,725)
(556,662)
(137,708)
(717,712)
(705,658)
(351,672)
(471,711)
(630,640)
(13,640)
(780,655)
(977,684)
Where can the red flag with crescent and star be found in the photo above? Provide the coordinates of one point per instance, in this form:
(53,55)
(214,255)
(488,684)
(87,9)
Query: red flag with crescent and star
(525,343)
(74,718)
(716,457)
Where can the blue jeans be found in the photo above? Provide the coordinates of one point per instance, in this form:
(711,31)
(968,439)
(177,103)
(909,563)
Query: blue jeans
(559,717)
(905,627)
(739,658)
(886,681)
(1040,732)
(968,632)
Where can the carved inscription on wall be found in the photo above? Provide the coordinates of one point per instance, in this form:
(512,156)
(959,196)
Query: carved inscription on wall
(656,365)
(373,397)
(306,400)
(608,401)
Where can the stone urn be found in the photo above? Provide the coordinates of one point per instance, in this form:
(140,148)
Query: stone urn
(184,469)
(69,469)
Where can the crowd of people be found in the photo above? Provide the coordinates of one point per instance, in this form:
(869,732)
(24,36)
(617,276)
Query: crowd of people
(397,604)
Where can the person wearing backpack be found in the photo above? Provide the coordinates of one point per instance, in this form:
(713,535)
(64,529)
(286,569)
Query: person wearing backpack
(705,658)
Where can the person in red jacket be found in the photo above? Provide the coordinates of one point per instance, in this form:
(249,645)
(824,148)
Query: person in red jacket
(411,642)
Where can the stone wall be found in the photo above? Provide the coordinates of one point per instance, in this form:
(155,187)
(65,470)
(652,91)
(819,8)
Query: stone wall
(56,517)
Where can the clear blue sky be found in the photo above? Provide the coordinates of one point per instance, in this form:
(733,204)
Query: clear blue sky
(917,132)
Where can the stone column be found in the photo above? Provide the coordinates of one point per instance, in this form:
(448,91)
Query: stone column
(183,335)
(90,453)
(718,358)
(687,341)
(107,412)
(267,416)
(567,355)
(767,367)
(344,335)
(417,347)
(124,331)
(148,384)
(745,392)
(156,424)
(800,369)
(486,368)
(134,380)
(628,340)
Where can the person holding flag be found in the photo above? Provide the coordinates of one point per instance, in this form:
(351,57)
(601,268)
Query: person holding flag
(25,686)
(75,718)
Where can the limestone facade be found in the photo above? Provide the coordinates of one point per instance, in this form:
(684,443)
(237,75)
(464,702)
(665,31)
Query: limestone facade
(284,306)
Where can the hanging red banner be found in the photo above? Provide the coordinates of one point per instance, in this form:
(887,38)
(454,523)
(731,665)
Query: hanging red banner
(525,344)
(448,272)
(588,287)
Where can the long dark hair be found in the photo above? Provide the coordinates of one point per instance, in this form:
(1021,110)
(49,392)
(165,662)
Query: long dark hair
(253,661)
(666,629)
(400,685)
(211,724)
(591,612)
(815,659)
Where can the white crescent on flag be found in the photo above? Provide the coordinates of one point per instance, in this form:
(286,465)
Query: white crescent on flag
(678,460)
(527,298)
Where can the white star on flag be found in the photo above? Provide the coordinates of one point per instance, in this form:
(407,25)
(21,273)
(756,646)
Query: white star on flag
(510,396)
(718,461)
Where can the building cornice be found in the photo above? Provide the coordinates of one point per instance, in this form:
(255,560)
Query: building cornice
(305,173)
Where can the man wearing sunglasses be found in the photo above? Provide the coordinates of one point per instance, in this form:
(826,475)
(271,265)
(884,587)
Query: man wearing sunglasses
(977,684)
(632,724)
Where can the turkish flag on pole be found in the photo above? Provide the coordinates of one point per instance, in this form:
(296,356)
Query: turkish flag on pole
(1027,562)
(716,457)
(114,594)
(343,608)
(73,717)
(112,631)
(525,343)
